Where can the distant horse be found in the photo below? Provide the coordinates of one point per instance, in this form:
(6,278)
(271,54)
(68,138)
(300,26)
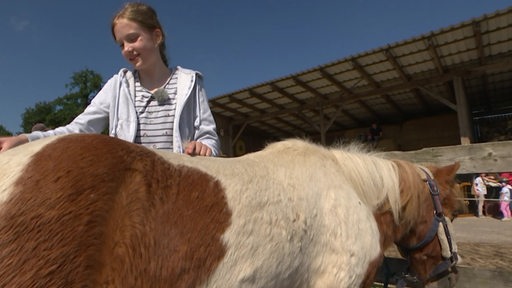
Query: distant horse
(95,211)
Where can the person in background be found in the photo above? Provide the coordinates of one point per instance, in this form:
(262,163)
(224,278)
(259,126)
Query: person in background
(480,190)
(39,127)
(152,104)
(374,134)
(505,199)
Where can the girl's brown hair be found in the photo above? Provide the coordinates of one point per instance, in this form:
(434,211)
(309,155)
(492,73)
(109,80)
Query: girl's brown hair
(145,16)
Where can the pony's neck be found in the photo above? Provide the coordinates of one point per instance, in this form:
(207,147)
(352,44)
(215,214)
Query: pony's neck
(390,231)
(412,200)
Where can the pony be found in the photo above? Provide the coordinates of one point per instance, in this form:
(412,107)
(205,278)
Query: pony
(95,211)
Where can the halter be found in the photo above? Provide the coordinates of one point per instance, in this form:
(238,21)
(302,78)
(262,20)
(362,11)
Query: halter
(448,264)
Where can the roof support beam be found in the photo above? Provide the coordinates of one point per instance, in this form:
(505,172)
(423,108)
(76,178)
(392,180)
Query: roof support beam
(439,98)
(376,85)
(306,119)
(392,59)
(393,104)
(265,100)
(369,109)
(314,92)
(308,88)
(419,96)
(365,74)
(331,119)
(244,104)
(446,77)
(224,107)
(349,115)
(238,134)
(263,111)
(281,131)
(435,57)
(401,73)
(245,123)
(478,42)
(334,116)
(292,98)
(323,128)
(337,84)
(287,123)
(285,94)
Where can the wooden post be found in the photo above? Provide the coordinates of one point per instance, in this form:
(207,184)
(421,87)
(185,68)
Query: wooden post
(463,112)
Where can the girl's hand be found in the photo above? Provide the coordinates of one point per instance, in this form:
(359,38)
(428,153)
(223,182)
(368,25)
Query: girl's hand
(196,148)
(13,141)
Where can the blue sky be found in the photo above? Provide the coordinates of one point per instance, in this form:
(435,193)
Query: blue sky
(235,44)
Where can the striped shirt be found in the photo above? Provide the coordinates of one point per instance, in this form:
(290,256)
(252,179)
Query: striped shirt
(155,119)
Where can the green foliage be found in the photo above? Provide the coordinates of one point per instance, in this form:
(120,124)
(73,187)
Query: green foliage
(4,131)
(87,82)
(40,113)
(83,87)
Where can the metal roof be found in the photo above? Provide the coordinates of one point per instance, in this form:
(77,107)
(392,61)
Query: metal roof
(390,84)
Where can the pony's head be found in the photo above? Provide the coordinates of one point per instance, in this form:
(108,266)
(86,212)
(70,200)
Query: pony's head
(409,203)
(425,236)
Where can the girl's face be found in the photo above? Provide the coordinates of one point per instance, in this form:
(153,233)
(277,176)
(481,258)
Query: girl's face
(138,45)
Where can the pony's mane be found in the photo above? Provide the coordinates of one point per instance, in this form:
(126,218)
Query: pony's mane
(375,179)
(414,191)
(385,184)
(382,184)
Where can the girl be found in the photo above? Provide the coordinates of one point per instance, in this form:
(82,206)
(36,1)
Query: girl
(505,199)
(151,105)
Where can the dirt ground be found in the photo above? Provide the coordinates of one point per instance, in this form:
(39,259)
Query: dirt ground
(483,243)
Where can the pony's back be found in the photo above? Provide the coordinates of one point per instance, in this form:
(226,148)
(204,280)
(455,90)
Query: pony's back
(97,211)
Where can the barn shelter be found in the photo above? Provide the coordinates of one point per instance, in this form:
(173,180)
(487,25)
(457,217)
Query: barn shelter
(446,87)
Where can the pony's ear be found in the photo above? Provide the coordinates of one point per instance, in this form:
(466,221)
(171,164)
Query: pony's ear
(450,170)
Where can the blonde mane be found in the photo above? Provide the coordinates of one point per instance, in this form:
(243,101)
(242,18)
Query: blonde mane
(415,195)
(375,179)
(384,184)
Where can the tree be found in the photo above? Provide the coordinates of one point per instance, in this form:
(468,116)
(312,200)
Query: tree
(4,131)
(88,84)
(83,87)
(40,113)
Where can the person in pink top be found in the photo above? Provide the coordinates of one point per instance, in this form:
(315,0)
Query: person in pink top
(505,199)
